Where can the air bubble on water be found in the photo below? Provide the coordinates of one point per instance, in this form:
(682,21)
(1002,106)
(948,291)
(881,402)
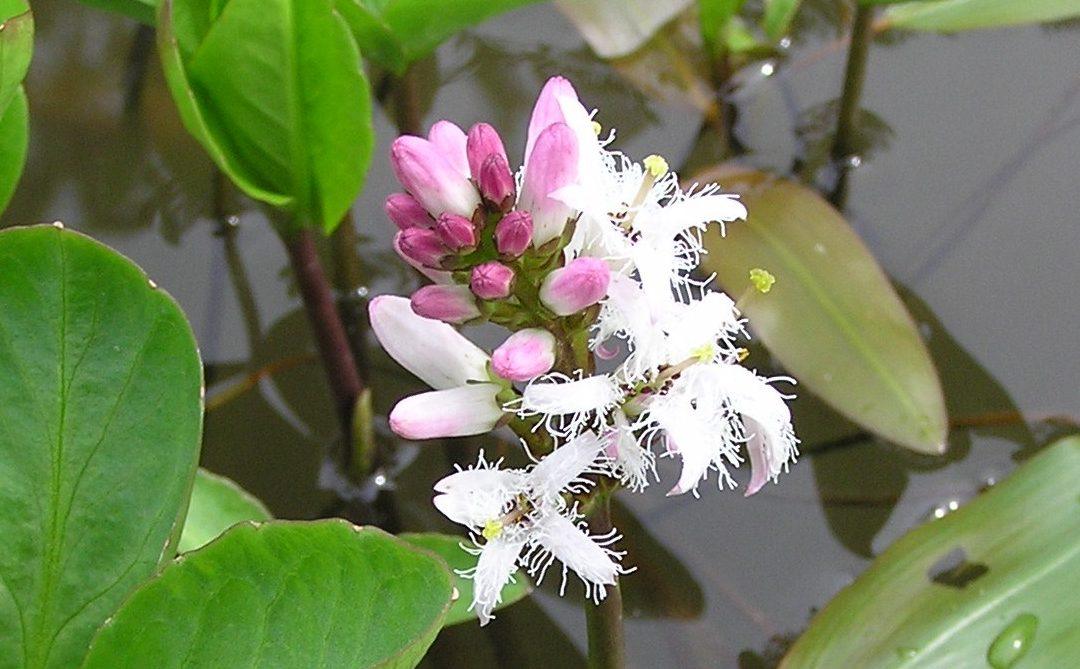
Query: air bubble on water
(362,292)
(767,69)
(945,509)
(232,221)
(853,161)
(1012,642)
(785,42)
(379,480)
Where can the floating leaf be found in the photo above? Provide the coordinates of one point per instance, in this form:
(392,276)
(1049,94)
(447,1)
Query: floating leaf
(395,33)
(946,594)
(950,16)
(275,92)
(142,11)
(832,319)
(448,547)
(100,416)
(280,595)
(217,503)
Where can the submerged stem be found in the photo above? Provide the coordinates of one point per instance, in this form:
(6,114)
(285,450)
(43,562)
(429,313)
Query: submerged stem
(844,142)
(607,649)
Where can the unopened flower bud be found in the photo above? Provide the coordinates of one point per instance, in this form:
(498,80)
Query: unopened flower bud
(449,139)
(552,165)
(483,142)
(457,232)
(406,212)
(580,284)
(422,245)
(450,303)
(513,233)
(496,183)
(525,355)
(431,179)
(491,280)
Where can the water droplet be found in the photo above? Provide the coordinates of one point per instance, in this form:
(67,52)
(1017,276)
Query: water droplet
(853,161)
(785,42)
(1012,642)
(380,480)
(153,286)
(455,595)
(232,221)
(59,225)
(907,653)
(767,69)
(362,291)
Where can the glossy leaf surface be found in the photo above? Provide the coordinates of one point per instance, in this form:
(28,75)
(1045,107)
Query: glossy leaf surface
(950,16)
(217,503)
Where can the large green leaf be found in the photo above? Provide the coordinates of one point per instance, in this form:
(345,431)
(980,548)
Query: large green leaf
(217,503)
(955,15)
(142,11)
(394,33)
(16,46)
(994,582)
(14,137)
(833,319)
(280,595)
(100,417)
(448,547)
(275,92)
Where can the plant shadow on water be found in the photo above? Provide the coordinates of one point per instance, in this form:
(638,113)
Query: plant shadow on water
(723,583)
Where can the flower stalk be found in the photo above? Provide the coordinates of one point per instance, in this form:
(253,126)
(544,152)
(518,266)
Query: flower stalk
(604,621)
(844,141)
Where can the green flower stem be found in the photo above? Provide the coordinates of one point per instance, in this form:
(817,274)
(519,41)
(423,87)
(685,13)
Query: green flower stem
(327,326)
(604,621)
(844,143)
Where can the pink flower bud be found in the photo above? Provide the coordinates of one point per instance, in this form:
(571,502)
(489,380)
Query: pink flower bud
(457,232)
(454,412)
(525,355)
(450,141)
(406,212)
(491,280)
(431,179)
(513,233)
(548,110)
(496,183)
(580,284)
(450,304)
(483,142)
(552,165)
(422,245)
(436,275)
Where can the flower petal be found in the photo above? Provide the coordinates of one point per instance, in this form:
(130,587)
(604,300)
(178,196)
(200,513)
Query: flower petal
(475,496)
(570,397)
(497,563)
(576,549)
(456,412)
(565,465)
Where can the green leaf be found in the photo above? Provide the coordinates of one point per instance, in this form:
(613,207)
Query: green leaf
(280,595)
(955,15)
(217,503)
(616,28)
(142,11)
(778,16)
(16,47)
(1003,568)
(395,33)
(714,16)
(14,137)
(832,319)
(100,419)
(275,92)
(448,547)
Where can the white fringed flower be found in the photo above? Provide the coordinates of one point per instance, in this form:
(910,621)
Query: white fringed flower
(568,406)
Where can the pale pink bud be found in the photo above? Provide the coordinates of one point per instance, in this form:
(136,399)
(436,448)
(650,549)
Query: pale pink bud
(548,110)
(431,179)
(513,233)
(483,142)
(447,303)
(449,139)
(454,412)
(422,245)
(406,212)
(525,355)
(496,183)
(491,280)
(457,232)
(552,165)
(580,284)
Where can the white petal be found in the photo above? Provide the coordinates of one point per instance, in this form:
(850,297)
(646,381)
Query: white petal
(591,393)
(475,496)
(497,563)
(689,436)
(575,549)
(565,464)
(456,412)
(432,350)
(697,211)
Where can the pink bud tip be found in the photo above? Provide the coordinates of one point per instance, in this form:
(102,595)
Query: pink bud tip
(422,246)
(552,165)
(483,142)
(429,176)
(525,355)
(451,303)
(457,232)
(580,284)
(496,183)
(406,212)
(491,280)
(513,233)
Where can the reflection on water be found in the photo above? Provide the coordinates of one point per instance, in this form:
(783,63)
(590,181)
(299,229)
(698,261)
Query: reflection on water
(965,191)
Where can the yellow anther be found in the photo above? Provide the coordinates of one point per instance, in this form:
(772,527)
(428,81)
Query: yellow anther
(742,353)
(492,529)
(655,165)
(762,279)
(704,353)
(596,127)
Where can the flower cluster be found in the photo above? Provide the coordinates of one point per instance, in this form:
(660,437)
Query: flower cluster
(585,256)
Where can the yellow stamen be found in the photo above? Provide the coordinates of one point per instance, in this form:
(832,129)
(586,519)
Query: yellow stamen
(704,353)
(492,529)
(742,353)
(596,127)
(762,279)
(655,165)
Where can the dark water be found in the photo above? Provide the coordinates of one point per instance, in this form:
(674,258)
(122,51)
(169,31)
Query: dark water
(968,198)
